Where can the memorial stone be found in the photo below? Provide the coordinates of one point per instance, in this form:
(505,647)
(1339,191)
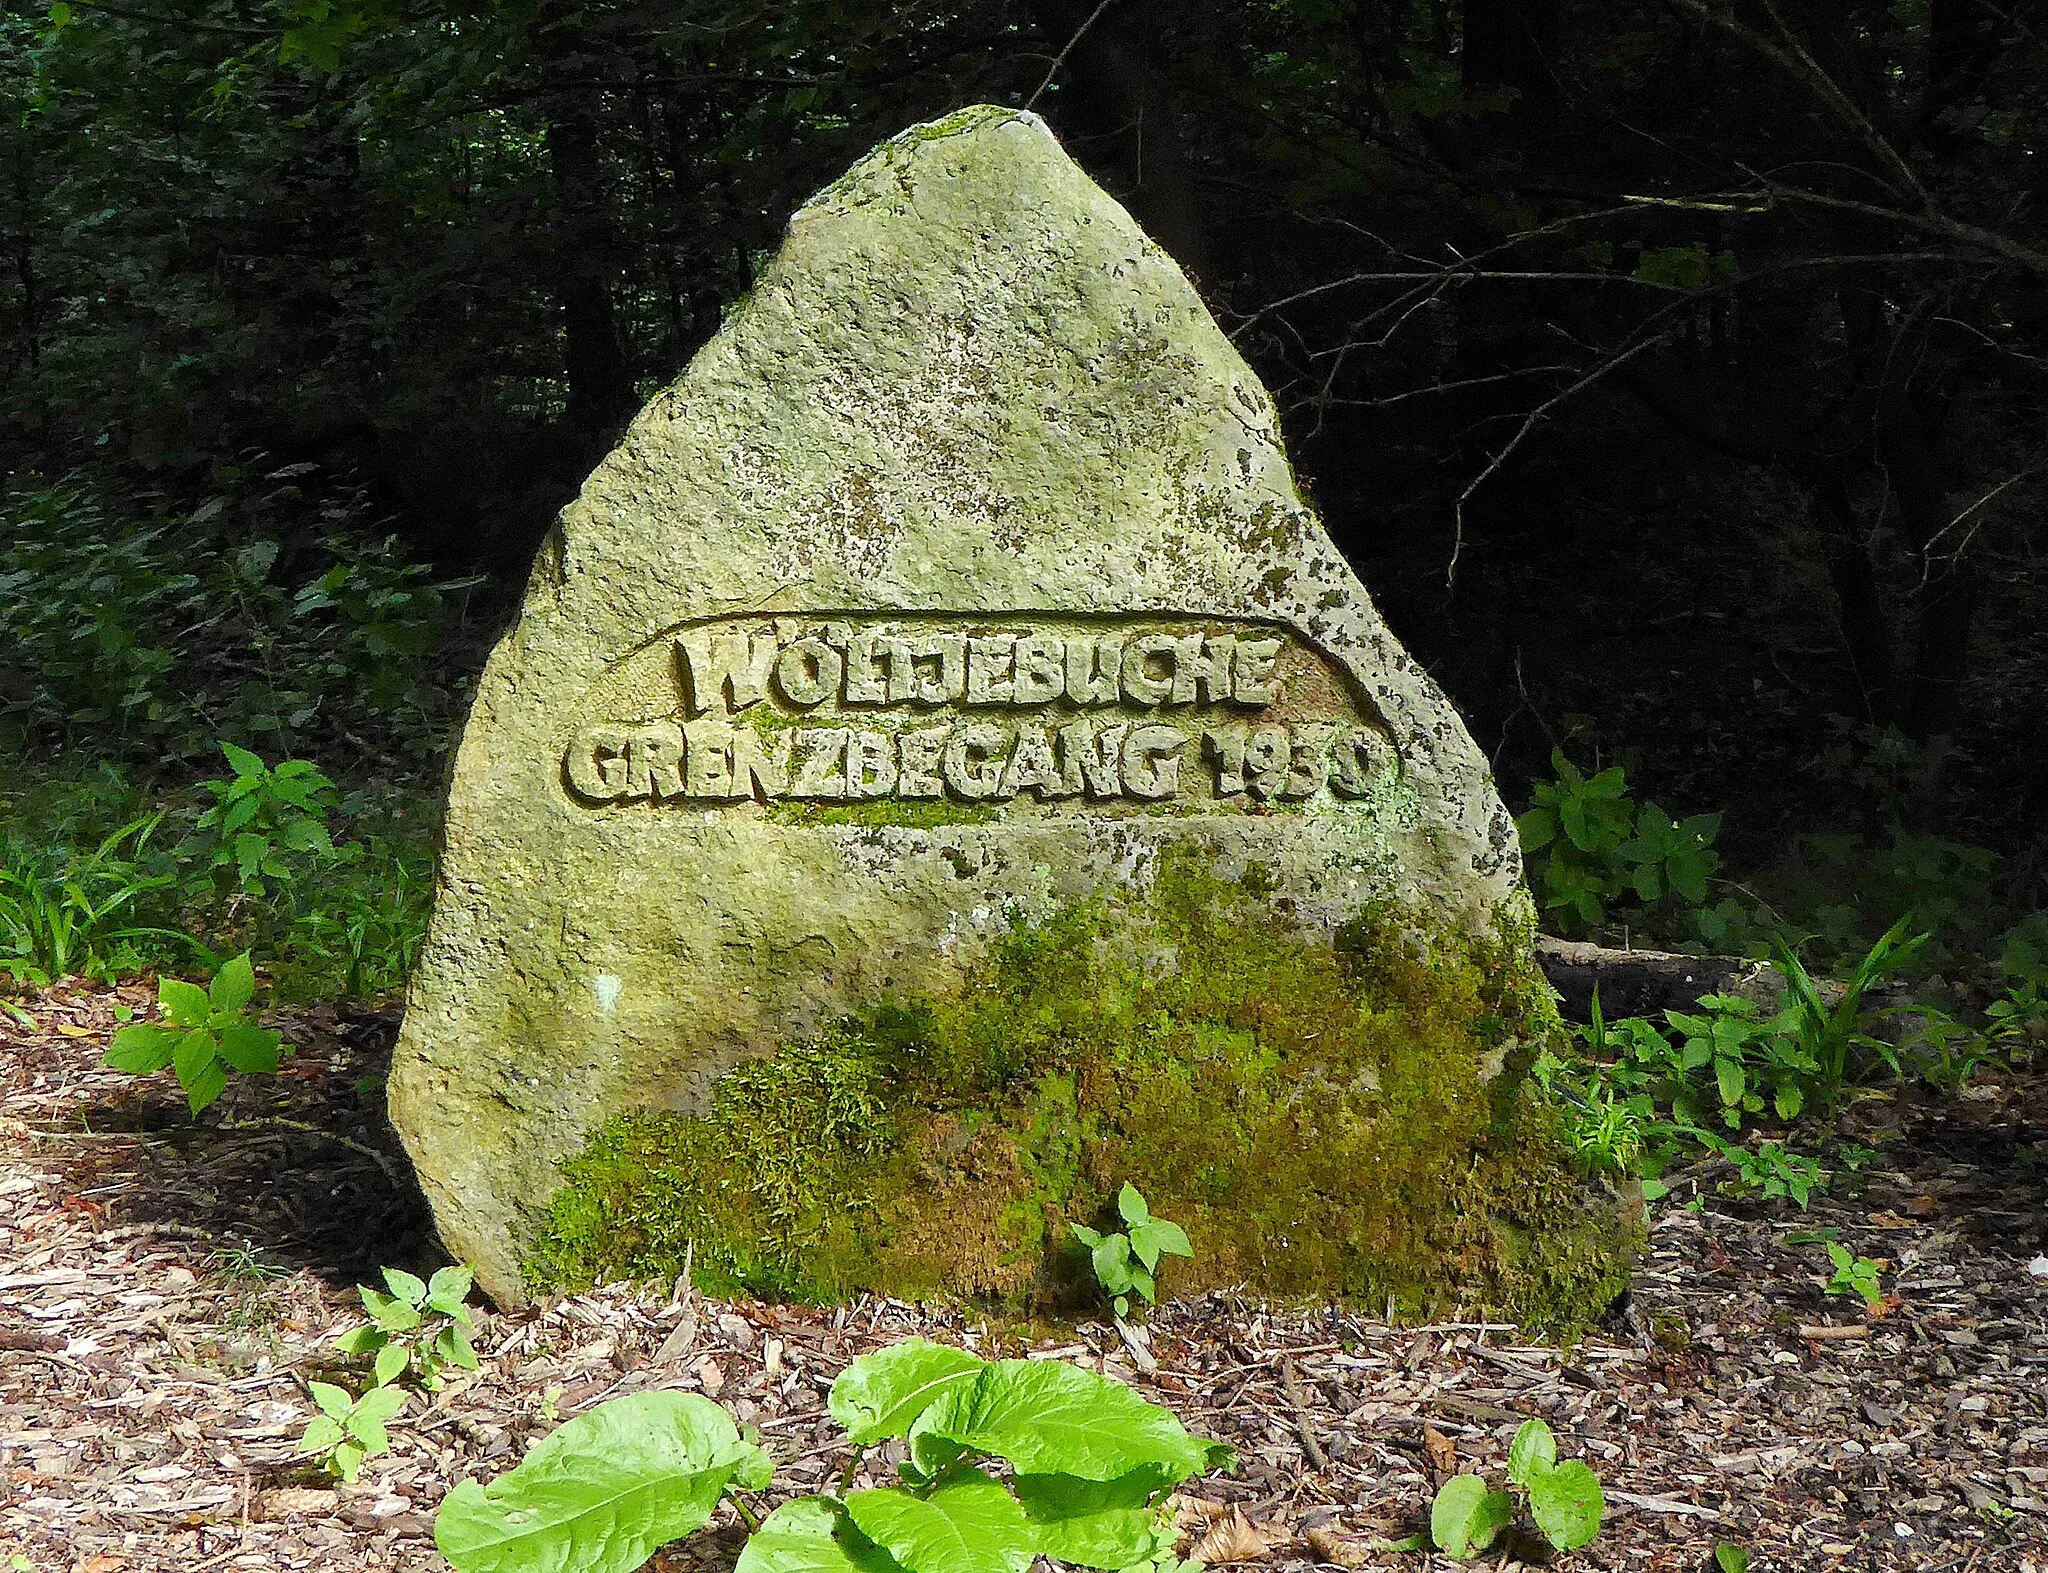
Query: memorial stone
(961,583)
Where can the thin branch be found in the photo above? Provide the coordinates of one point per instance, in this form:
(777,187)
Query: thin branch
(1796,61)
(1528,425)
(1060,59)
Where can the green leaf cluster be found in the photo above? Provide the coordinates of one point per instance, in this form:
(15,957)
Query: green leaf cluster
(349,1430)
(205,1033)
(1588,844)
(1127,1259)
(420,1326)
(1854,1275)
(1093,1464)
(1563,1499)
(266,823)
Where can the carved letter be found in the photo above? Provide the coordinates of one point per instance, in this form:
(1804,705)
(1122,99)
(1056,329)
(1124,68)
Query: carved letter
(989,659)
(1201,667)
(902,669)
(974,761)
(1093,759)
(919,752)
(1360,756)
(1226,749)
(1152,761)
(1266,758)
(866,683)
(1041,671)
(654,761)
(760,762)
(808,672)
(1095,670)
(1140,685)
(950,682)
(596,764)
(821,759)
(870,765)
(729,667)
(707,759)
(1309,765)
(1031,765)
(1256,683)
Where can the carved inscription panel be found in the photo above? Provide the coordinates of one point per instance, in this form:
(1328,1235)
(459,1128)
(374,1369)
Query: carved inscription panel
(846,710)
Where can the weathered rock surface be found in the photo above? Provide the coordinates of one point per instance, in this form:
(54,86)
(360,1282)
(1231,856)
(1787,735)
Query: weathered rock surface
(961,573)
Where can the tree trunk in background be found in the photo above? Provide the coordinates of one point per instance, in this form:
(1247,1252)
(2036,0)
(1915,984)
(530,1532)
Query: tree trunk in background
(1113,100)
(1513,44)
(600,385)
(1859,607)
(1949,589)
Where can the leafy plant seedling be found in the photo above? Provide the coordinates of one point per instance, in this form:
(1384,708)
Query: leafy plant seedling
(205,1033)
(261,818)
(1564,1499)
(401,1336)
(1730,1558)
(1857,1275)
(1128,1259)
(349,1430)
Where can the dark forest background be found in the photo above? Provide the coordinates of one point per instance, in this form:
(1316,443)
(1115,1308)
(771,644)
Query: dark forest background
(1673,372)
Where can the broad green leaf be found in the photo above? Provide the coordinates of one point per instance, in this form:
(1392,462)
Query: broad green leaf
(1533,1452)
(1537,829)
(1567,1505)
(1130,1205)
(322,1432)
(1086,1235)
(882,1394)
(1731,1559)
(1156,1238)
(448,1288)
(142,1050)
(1050,1418)
(361,1341)
(348,1460)
(1729,1078)
(412,1290)
(252,1049)
(1112,1261)
(1466,1517)
(378,1404)
(812,1535)
(241,761)
(389,1312)
(185,1004)
(392,1360)
(1097,1523)
(601,1492)
(207,1083)
(454,1346)
(331,1399)
(233,986)
(969,1525)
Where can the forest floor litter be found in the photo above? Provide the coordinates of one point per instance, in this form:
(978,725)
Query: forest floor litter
(167,1285)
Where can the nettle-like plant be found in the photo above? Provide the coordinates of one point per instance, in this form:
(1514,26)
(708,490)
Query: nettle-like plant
(348,1429)
(1128,1259)
(1564,1499)
(204,1033)
(421,1326)
(1091,1466)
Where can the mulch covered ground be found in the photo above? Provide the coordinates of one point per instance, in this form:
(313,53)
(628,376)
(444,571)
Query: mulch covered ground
(166,1285)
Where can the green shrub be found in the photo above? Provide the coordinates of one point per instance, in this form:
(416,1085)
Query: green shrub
(1588,845)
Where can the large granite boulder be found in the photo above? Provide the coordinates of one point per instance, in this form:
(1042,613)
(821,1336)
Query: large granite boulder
(959,586)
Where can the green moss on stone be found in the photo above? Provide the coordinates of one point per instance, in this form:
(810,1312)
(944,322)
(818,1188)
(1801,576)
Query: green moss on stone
(920,814)
(1347,1120)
